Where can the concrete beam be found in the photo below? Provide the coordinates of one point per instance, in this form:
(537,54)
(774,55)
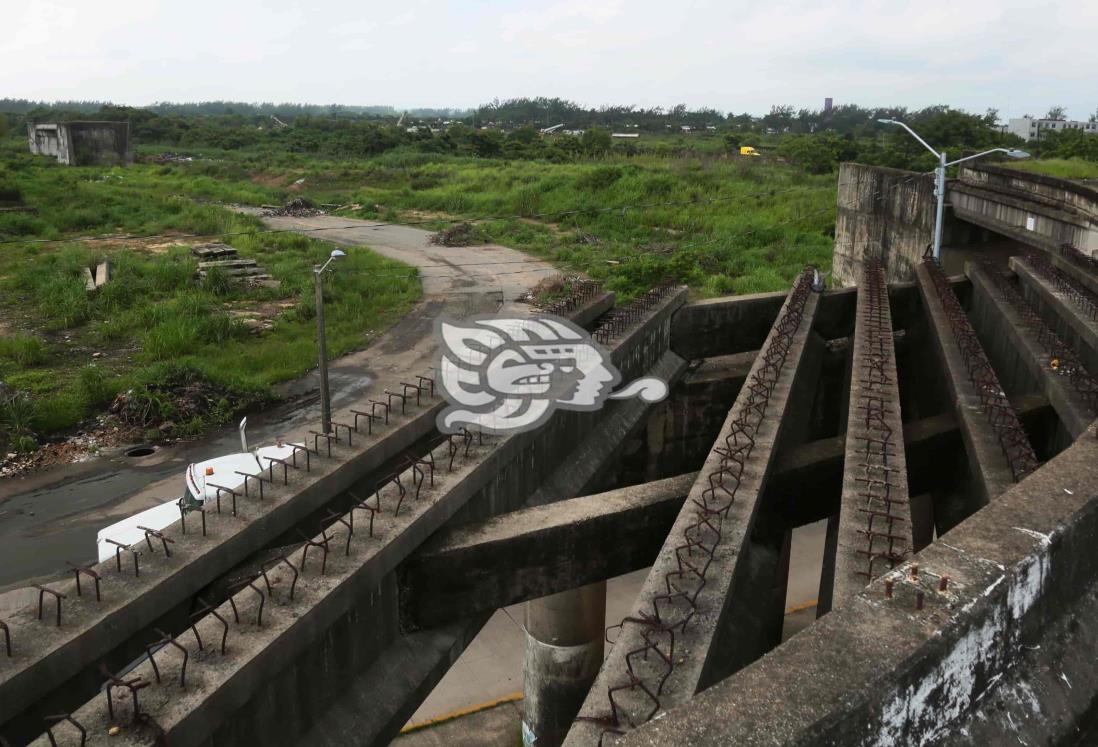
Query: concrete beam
(539,551)
(875,523)
(45,657)
(737,324)
(551,548)
(712,635)
(1015,345)
(376,704)
(1065,315)
(882,670)
(989,469)
(342,616)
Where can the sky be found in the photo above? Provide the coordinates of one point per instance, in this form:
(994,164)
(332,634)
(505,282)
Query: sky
(1017,57)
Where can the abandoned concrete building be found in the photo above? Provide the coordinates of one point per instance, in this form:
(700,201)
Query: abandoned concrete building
(83,143)
(939,419)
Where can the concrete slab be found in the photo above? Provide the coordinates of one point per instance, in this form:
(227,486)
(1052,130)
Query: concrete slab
(1071,316)
(712,641)
(989,468)
(875,524)
(1024,348)
(885,670)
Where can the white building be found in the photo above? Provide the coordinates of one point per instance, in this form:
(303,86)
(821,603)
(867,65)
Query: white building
(1029,128)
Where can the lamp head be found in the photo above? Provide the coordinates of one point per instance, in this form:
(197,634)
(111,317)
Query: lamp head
(1015,153)
(888,121)
(337,253)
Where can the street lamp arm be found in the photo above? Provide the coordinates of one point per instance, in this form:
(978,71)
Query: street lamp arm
(1008,151)
(913,134)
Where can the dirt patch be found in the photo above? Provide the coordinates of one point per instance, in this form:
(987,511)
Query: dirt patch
(272,181)
(258,317)
(153,245)
(79,448)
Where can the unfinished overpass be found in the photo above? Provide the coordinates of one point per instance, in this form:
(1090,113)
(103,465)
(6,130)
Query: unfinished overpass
(944,427)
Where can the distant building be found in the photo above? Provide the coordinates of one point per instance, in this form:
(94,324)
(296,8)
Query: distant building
(625,134)
(828,105)
(83,143)
(1029,128)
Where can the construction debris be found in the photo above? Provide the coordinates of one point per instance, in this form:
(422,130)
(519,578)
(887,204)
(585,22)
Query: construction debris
(173,158)
(95,280)
(463,234)
(299,207)
(238,269)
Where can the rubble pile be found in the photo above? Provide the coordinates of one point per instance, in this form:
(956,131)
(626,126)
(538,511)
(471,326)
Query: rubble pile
(160,405)
(299,207)
(462,234)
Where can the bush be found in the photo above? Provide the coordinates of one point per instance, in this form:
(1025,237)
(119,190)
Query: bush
(218,282)
(23,349)
(599,178)
(94,385)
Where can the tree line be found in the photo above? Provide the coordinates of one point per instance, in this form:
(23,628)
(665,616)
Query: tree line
(816,140)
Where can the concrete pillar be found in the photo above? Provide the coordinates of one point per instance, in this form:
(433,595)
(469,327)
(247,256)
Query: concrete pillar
(564,649)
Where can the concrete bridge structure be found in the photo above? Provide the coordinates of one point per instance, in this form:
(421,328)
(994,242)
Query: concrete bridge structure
(943,426)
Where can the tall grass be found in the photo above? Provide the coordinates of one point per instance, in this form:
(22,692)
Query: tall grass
(155,322)
(1065,168)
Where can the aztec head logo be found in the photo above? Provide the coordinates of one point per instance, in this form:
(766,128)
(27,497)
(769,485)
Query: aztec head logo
(504,375)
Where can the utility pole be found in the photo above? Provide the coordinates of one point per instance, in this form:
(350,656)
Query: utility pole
(325,399)
(322,343)
(940,177)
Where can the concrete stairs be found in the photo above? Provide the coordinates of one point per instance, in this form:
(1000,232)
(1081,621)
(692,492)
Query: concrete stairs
(239,269)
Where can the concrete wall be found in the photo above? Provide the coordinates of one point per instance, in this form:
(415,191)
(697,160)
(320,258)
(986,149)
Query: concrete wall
(1039,210)
(885,213)
(345,645)
(884,670)
(82,143)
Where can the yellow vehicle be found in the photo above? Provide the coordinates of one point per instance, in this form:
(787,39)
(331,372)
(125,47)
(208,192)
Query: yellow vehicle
(747,150)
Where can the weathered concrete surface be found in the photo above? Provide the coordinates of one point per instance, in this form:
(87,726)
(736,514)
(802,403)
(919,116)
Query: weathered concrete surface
(988,466)
(721,635)
(1042,211)
(564,648)
(679,429)
(313,638)
(882,212)
(875,524)
(538,551)
(1062,313)
(498,726)
(881,671)
(602,447)
(45,657)
(400,677)
(738,324)
(82,143)
(1022,363)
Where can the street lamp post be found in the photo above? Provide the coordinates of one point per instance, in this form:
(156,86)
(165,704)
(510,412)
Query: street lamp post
(940,177)
(325,397)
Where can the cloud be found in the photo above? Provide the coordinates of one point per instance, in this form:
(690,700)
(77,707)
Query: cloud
(738,55)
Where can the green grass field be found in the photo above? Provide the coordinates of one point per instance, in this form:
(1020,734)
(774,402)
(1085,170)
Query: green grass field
(1065,168)
(723,225)
(73,351)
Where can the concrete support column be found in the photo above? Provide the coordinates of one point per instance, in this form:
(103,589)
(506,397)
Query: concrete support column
(564,649)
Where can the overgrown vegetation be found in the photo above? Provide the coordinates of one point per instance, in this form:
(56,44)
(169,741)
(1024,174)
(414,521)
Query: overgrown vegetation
(631,212)
(154,325)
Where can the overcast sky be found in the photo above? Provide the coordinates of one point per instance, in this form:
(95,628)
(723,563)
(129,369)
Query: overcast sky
(1018,57)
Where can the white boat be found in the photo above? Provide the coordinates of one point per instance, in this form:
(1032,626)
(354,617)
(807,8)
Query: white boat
(224,471)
